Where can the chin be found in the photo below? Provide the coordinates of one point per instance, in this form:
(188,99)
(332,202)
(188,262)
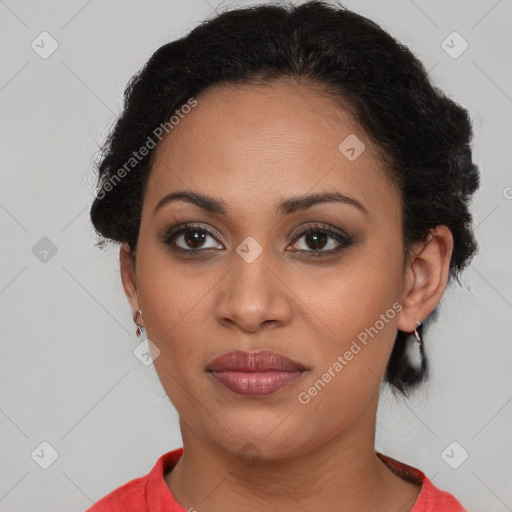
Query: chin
(262,437)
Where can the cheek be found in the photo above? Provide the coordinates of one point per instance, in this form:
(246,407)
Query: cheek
(176,300)
(358,306)
(175,297)
(352,296)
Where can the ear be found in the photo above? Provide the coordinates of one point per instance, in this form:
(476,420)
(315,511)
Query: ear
(128,277)
(427,272)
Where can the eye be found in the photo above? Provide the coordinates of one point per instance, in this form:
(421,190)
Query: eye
(320,240)
(191,238)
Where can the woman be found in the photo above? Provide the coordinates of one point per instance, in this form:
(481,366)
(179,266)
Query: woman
(291,197)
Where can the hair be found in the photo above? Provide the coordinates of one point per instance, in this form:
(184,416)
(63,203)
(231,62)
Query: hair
(424,136)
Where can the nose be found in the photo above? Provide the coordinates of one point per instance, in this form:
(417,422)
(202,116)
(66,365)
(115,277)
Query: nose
(253,296)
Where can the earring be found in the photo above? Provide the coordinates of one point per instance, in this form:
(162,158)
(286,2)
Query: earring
(140,328)
(418,336)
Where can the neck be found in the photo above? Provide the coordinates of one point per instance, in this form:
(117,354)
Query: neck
(342,474)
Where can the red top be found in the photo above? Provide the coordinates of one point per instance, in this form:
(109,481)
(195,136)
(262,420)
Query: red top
(150,493)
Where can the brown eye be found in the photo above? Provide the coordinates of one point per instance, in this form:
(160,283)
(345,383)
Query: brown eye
(194,238)
(319,241)
(191,238)
(316,240)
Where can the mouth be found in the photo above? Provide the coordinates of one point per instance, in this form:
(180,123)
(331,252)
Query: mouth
(255,374)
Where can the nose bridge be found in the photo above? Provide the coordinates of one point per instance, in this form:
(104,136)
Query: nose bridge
(252,293)
(250,264)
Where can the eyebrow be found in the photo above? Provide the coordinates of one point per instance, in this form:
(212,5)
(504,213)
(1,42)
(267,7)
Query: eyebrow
(285,207)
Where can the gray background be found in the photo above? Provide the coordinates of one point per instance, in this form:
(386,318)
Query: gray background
(68,375)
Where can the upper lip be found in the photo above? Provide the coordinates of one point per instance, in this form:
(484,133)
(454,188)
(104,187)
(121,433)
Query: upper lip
(262,360)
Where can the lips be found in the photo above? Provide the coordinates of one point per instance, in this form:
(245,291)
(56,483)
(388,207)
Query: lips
(260,361)
(255,374)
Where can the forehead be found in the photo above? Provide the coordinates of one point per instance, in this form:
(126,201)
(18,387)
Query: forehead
(244,142)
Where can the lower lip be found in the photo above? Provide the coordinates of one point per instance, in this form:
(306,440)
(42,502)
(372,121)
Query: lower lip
(256,383)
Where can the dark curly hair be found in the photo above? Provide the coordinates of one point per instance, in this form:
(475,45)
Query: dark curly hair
(423,135)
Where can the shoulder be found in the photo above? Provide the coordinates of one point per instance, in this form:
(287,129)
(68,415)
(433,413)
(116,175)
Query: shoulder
(431,498)
(127,498)
(437,500)
(142,493)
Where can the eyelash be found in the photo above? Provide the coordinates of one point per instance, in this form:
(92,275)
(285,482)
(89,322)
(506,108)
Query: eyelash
(343,239)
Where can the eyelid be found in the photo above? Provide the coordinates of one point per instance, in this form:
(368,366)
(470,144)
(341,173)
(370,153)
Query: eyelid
(322,227)
(339,235)
(342,239)
(171,232)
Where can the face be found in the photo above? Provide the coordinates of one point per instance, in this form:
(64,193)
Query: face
(319,282)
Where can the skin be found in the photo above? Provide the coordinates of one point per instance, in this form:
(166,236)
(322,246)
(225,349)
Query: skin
(251,146)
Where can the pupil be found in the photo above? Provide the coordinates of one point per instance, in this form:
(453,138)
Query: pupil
(194,241)
(317,238)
